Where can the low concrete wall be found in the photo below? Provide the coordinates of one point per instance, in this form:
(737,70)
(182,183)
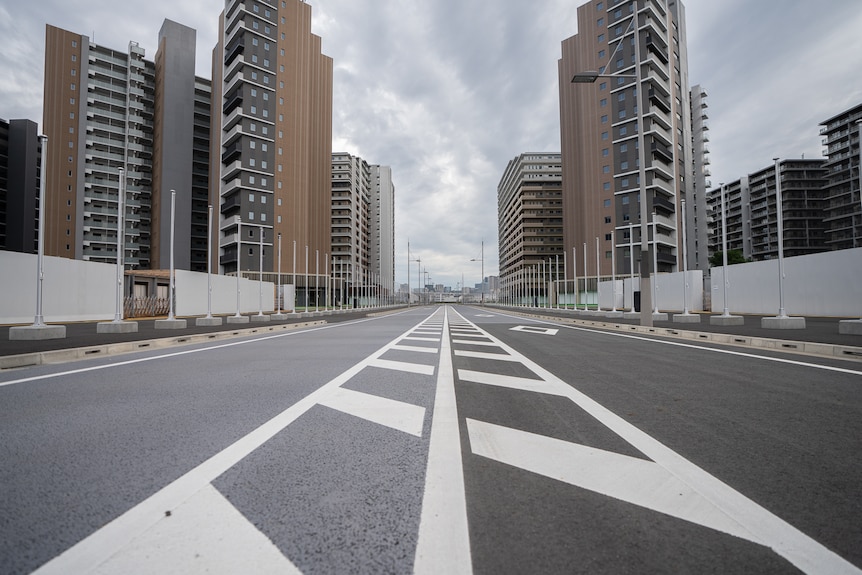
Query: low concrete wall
(72,290)
(827,284)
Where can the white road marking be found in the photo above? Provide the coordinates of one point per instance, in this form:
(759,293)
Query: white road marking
(96,548)
(205,534)
(398,415)
(633,480)
(470,334)
(444,539)
(535,329)
(786,540)
(421,338)
(403,366)
(484,355)
(415,348)
(468,342)
(512,382)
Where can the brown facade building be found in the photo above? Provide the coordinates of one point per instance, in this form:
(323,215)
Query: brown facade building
(642,84)
(275,89)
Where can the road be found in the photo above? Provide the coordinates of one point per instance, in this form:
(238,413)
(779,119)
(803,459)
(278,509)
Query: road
(434,440)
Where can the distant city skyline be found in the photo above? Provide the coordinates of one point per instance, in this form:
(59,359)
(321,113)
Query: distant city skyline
(447,96)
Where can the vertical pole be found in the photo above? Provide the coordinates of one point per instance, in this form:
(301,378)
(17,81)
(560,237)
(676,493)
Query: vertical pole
(279,292)
(557,277)
(586,291)
(39,320)
(171,288)
(655,264)
(598,267)
(306,278)
(260,272)
(614,269)
(778,209)
(684,262)
(316,280)
(565,279)
(575,275)
(726,312)
(121,234)
(632,262)
(238,261)
(209,262)
(294,277)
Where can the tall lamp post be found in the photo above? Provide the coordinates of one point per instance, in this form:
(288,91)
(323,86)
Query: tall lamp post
(590,78)
(481,258)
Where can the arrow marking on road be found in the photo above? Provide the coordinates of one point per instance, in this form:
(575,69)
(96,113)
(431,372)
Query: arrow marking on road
(535,329)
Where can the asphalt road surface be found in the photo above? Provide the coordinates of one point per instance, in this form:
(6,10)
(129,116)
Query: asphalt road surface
(434,440)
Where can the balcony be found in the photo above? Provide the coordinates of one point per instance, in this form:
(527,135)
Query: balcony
(232,152)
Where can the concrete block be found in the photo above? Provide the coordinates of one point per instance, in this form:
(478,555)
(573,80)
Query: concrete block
(614,314)
(259,318)
(170,324)
(632,315)
(686,318)
(237,319)
(659,316)
(37,332)
(117,327)
(280,316)
(782,322)
(208,321)
(725,320)
(850,326)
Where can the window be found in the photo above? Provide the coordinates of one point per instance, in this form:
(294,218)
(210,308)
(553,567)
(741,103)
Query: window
(251,196)
(606,186)
(251,181)
(265,97)
(252,127)
(265,130)
(252,162)
(250,217)
(607,203)
(263,147)
(263,199)
(253,75)
(608,237)
(254,92)
(624,165)
(624,147)
(263,217)
(605,152)
(626,217)
(255,25)
(252,144)
(72,87)
(263,183)
(603,86)
(74,71)
(266,45)
(263,164)
(71,144)
(623,131)
(601,37)
(604,135)
(600,22)
(626,200)
(621,97)
(265,113)
(605,119)
(607,219)
(254,41)
(266,63)
(608,255)
(606,169)
(601,53)
(603,102)
(279,219)
(279,201)
(74,43)
(71,115)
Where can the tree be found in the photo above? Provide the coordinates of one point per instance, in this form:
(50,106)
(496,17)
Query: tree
(733,257)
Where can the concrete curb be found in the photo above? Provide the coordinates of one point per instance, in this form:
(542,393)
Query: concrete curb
(78,353)
(851,353)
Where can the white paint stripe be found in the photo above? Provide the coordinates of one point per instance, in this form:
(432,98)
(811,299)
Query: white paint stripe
(701,348)
(468,342)
(253,339)
(786,540)
(403,366)
(485,355)
(415,348)
(472,334)
(398,415)
(205,534)
(421,338)
(444,539)
(512,382)
(636,481)
(100,545)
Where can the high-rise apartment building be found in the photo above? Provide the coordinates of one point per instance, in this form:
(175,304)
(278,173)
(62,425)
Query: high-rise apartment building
(275,89)
(382,229)
(697,216)
(843,207)
(752,211)
(351,209)
(107,110)
(647,76)
(20,164)
(529,217)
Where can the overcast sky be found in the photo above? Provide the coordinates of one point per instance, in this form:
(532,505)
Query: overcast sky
(447,92)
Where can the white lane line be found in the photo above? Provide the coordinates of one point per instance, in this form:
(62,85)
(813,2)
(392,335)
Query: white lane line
(415,348)
(206,534)
(402,366)
(100,545)
(633,480)
(512,382)
(180,353)
(804,552)
(398,415)
(471,334)
(485,355)
(444,539)
(410,338)
(468,342)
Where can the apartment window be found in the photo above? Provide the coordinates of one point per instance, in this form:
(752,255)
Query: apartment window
(250,217)
(266,62)
(599,7)
(600,22)
(254,92)
(603,102)
(604,135)
(263,147)
(265,130)
(263,164)
(265,79)
(265,113)
(605,152)
(279,187)
(601,53)
(266,45)
(265,97)
(71,115)
(252,162)
(606,169)
(263,217)
(603,86)
(74,71)
(626,218)
(72,86)
(608,237)
(71,144)
(255,25)
(621,97)
(623,131)
(606,186)
(607,219)
(279,219)
(601,38)
(251,181)
(281,85)
(625,182)
(624,147)
(254,109)
(74,43)
(267,13)
(608,255)
(605,119)
(607,203)
(279,201)
(254,41)
(263,199)
(252,127)
(67,233)
(256,9)
(263,183)
(254,58)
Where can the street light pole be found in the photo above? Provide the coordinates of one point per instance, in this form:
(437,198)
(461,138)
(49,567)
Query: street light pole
(481,258)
